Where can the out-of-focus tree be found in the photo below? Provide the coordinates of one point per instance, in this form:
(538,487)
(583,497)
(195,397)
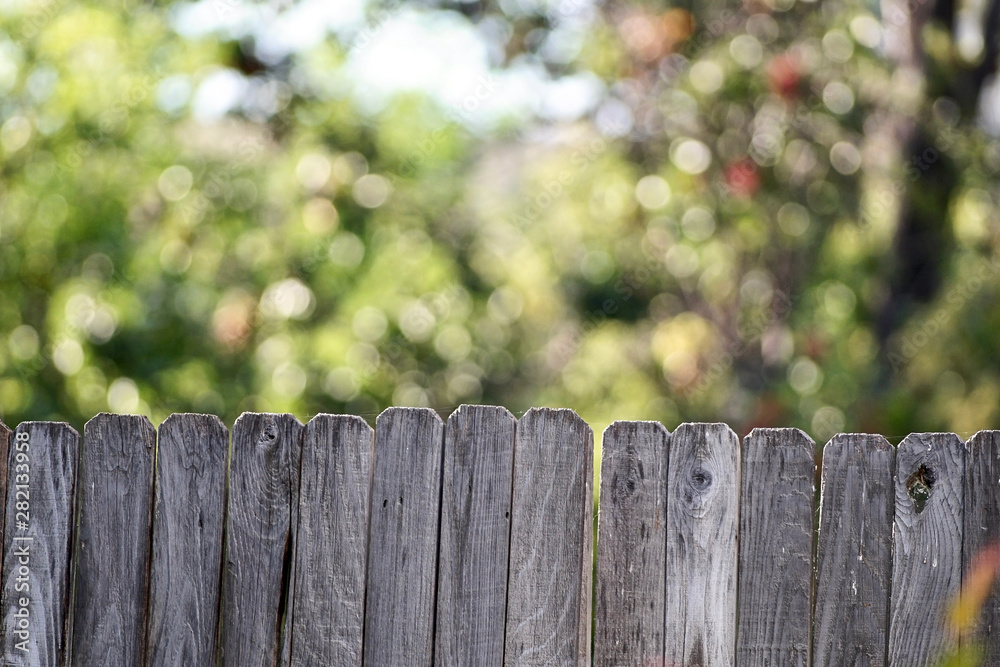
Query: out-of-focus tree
(770,213)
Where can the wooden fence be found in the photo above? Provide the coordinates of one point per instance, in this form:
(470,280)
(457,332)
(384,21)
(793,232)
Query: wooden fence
(471,544)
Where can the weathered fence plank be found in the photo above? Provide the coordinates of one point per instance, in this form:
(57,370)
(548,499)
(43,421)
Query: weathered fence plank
(331,550)
(982,530)
(854,552)
(185,575)
(5,434)
(551,542)
(113,546)
(37,573)
(776,530)
(260,519)
(475,537)
(402,552)
(631,545)
(703,482)
(927,547)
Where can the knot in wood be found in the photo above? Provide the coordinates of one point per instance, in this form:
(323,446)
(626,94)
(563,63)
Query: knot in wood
(626,482)
(701,479)
(269,433)
(919,486)
(623,487)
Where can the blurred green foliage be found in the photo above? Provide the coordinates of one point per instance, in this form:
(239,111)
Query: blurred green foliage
(723,236)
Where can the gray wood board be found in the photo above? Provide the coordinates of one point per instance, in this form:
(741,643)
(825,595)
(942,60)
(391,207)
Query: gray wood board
(631,545)
(261,511)
(475,537)
(551,544)
(982,533)
(331,547)
(38,568)
(188,514)
(403,542)
(776,540)
(854,552)
(115,488)
(703,487)
(927,547)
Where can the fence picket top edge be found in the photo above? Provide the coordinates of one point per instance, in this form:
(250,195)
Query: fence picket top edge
(354,420)
(988,435)
(769,434)
(620,424)
(536,413)
(795,442)
(4,429)
(394,410)
(873,440)
(35,423)
(175,434)
(112,417)
(199,417)
(707,427)
(497,410)
(931,437)
(247,415)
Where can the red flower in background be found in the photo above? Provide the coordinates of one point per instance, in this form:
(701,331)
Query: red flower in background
(742,178)
(783,76)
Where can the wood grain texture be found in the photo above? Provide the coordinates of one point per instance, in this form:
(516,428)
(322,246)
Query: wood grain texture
(854,552)
(188,511)
(37,572)
(331,542)
(927,547)
(703,487)
(631,545)
(982,532)
(402,553)
(776,531)
(113,545)
(475,537)
(551,543)
(262,502)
